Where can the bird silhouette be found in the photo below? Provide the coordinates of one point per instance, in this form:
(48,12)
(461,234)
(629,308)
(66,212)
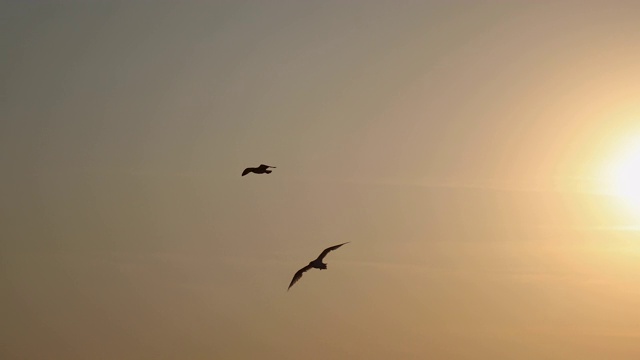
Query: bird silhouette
(315,264)
(262,169)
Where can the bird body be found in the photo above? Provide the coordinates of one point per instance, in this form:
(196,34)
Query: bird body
(262,169)
(315,264)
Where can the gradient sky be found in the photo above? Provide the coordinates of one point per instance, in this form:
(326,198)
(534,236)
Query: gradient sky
(459,146)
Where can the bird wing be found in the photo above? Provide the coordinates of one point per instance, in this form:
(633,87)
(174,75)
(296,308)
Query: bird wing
(298,275)
(246,171)
(326,251)
(263,166)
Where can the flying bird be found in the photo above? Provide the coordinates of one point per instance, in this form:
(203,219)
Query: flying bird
(315,264)
(262,169)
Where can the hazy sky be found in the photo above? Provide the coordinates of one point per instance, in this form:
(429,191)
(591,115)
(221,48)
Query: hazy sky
(461,146)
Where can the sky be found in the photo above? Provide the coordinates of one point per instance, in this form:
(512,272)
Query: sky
(477,155)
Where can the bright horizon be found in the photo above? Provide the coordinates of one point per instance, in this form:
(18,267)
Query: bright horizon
(481,158)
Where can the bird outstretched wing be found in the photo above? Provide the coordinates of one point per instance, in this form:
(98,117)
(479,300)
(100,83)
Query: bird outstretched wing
(246,171)
(326,251)
(298,275)
(263,166)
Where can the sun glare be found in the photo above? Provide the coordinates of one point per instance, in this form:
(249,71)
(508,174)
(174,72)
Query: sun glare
(624,174)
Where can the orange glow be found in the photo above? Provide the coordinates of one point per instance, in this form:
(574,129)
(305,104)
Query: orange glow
(623,174)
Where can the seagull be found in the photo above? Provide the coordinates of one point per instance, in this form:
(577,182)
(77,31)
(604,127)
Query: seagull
(315,264)
(262,169)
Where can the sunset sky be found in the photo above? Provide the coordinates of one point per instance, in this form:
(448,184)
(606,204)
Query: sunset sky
(482,158)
